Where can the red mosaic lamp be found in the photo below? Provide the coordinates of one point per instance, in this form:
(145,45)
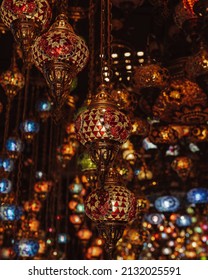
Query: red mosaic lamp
(102,129)
(26,19)
(60,55)
(111,208)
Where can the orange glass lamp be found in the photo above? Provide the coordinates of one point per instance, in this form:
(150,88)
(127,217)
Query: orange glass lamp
(189,4)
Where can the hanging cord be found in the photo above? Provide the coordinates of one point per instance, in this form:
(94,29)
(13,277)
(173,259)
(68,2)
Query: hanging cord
(56,189)
(109,37)
(48,168)
(102,38)
(105,40)
(19,107)
(91,76)
(27,79)
(9,101)
(44,145)
(63,7)
(66,218)
(6,128)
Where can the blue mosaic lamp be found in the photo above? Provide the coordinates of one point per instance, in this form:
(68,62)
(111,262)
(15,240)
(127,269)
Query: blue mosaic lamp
(76,188)
(154,218)
(197,196)
(44,108)
(6,165)
(183,221)
(5,186)
(29,128)
(26,247)
(79,209)
(14,147)
(10,212)
(167,204)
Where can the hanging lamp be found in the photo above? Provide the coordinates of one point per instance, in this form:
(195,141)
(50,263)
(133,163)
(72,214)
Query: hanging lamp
(102,127)
(111,207)
(60,54)
(26,19)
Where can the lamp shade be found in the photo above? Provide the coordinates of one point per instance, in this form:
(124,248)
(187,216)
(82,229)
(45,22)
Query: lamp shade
(102,128)
(6,164)
(10,212)
(14,146)
(5,186)
(154,218)
(29,128)
(167,203)
(197,195)
(26,247)
(183,101)
(37,10)
(114,202)
(183,221)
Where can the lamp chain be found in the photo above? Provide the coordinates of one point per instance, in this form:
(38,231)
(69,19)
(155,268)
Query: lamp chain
(102,37)
(63,7)
(6,129)
(109,36)
(106,39)
(91,48)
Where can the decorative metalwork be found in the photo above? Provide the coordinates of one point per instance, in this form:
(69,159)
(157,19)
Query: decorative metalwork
(150,76)
(125,100)
(163,134)
(183,102)
(197,65)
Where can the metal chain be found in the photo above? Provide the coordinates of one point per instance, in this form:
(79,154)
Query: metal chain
(91,76)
